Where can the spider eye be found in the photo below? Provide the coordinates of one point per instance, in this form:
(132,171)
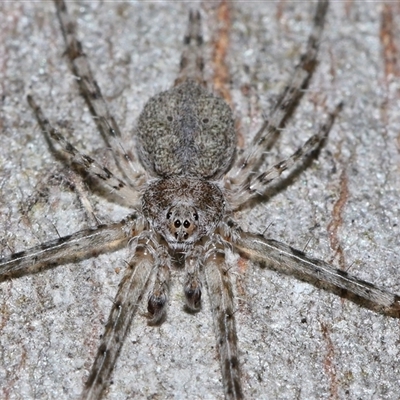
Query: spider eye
(206,120)
(186,224)
(177,223)
(169,118)
(196,216)
(169,215)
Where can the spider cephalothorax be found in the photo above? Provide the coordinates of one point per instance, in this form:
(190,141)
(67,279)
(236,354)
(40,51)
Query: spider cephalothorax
(183,209)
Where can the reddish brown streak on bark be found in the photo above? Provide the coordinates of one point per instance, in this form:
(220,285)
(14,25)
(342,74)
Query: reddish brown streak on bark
(347,6)
(279,9)
(329,365)
(243,265)
(221,71)
(221,76)
(337,219)
(387,37)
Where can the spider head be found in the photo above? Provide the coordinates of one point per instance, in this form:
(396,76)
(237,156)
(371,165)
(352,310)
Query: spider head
(181,224)
(183,209)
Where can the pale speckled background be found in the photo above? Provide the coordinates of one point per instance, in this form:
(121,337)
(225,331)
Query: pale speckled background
(296,341)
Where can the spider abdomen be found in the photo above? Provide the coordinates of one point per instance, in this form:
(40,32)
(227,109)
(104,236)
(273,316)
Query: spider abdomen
(186,131)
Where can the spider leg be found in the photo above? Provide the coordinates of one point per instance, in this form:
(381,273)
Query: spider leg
(192,285)
(258,184)
(285,105)
(91,167)
(82,194)
(126,162)
(80,245)
(273,254)
(192,63)
(158,298)
(221,298)
(124,307)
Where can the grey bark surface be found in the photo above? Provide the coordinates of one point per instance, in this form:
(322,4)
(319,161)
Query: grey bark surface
(296,341)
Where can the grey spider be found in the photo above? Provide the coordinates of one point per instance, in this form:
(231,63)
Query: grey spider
(193,184)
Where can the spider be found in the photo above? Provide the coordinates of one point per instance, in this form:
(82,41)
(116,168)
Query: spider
(184,207)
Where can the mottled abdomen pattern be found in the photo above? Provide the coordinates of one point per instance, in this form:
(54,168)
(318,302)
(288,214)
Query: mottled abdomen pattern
(186,131)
